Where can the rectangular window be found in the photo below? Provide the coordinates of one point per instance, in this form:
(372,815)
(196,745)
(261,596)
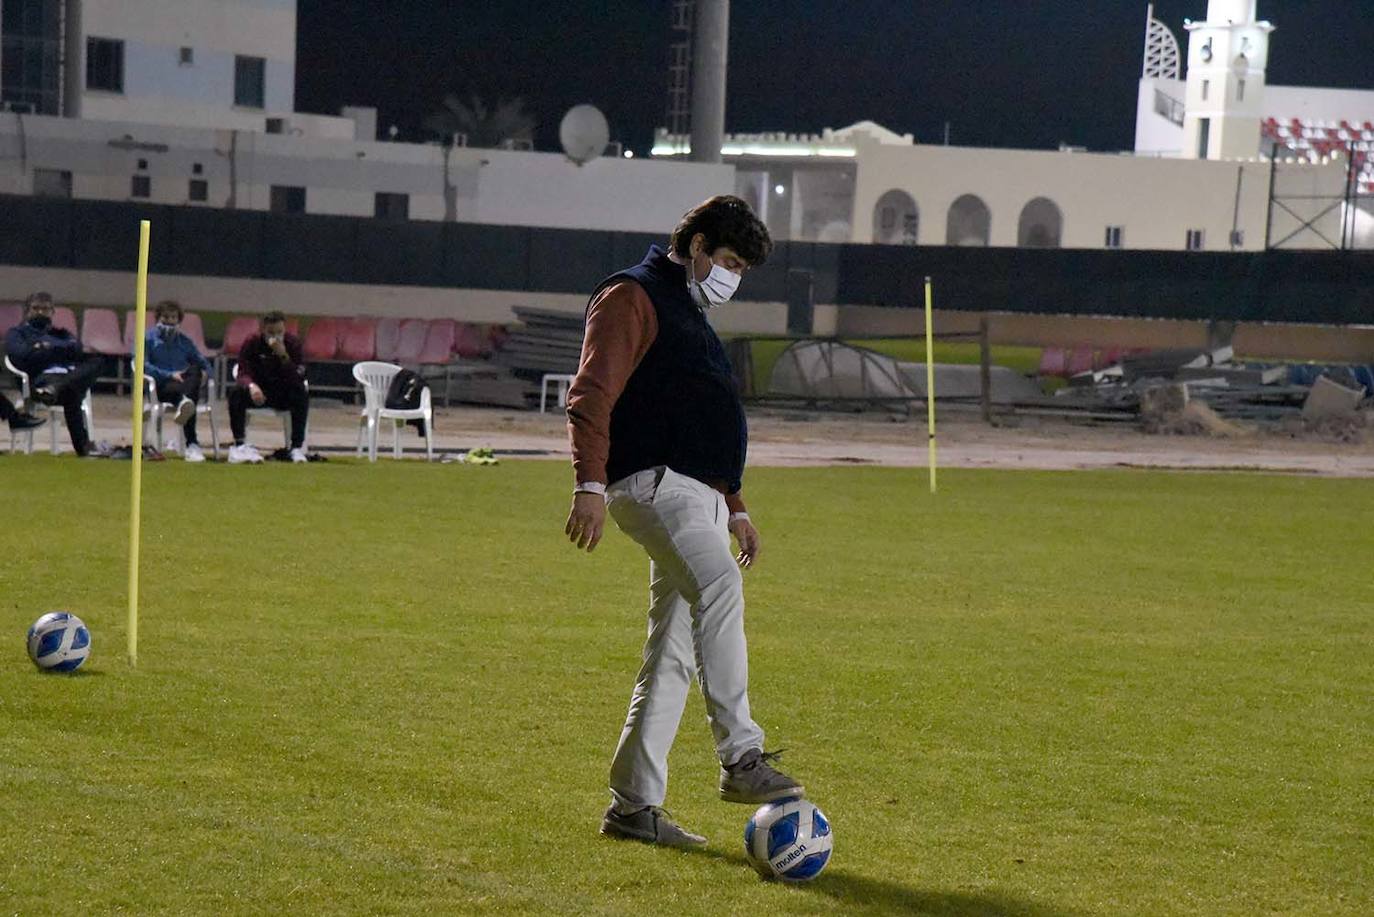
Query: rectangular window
(250,81)
(1240,91)
(1204,137)
(1113,237)
(199,190)
(52,183)
(105,64)
(1196,239)
(142,186)
(392,206)
(1206,89)
(288,199)
(187,57)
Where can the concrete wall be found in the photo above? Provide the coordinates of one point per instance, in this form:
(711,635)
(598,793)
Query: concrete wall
(342,176)
(1155,201)
(158,89)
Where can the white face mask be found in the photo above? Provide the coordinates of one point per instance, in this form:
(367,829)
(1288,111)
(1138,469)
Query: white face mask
(715,290)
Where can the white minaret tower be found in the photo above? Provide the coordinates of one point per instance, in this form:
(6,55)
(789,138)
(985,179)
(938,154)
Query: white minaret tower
(1227,57)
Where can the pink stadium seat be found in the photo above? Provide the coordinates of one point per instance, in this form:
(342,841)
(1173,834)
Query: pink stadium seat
(100,333)
(194,328)
(412,342)
(321,339)
(357,339)
(470,341)
(240,329)
(1080,360)
(129,335)
(388,338)
(496,339)
(439,342)
(1053,361)
(11,314)
(64,318)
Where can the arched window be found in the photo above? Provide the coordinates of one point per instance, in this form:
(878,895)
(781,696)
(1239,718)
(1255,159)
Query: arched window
(970,222)
(896,219)
(1041,226)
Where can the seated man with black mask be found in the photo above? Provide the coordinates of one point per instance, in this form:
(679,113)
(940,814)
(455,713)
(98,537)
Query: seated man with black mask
(59,372)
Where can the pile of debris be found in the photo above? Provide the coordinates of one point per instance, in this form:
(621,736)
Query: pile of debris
(545,342)
(1206,392)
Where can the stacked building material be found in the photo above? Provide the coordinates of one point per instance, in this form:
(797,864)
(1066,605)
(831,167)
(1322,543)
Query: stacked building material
(544,342)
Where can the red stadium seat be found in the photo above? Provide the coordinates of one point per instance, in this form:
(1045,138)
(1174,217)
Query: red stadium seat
(1080,360)
(470,341)
(412,340)
(194,328)
(388,338)
(11,314)
(357,339)
(439,341)
(321,339)
(240,329)
(131,336)
(64,318)
(100,333)
(1053,361)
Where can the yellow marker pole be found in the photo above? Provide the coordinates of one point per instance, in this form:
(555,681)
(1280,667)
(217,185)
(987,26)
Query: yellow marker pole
(930,383)
(136,490)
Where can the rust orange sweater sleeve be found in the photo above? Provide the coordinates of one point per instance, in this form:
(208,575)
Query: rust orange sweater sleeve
(621,326)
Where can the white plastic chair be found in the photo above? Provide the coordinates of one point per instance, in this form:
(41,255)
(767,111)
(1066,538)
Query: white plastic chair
(375,378)
(285,416)
(55,413)
(157,410)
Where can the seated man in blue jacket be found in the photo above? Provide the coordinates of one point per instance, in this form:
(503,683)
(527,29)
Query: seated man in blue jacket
(59,372)
(178,368)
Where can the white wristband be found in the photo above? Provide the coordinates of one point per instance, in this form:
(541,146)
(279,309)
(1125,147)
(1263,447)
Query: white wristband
(590,487)
(736,517)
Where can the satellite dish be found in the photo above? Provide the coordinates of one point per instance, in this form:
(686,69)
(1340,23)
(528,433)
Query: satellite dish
(584,133)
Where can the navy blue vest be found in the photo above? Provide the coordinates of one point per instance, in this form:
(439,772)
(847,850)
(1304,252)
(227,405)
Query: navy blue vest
(680,407)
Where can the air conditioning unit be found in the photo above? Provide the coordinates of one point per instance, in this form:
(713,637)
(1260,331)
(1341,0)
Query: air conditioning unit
(276,125)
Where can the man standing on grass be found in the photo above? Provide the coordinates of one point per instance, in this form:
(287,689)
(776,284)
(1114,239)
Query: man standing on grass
(658,435)
(271,373)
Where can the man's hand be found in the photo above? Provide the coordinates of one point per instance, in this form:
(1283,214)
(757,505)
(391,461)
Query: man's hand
(586,520)
(748,538)
(279,347)
(178,377)
(256,394)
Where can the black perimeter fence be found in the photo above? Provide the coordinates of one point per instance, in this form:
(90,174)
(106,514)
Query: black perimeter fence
(1334,288)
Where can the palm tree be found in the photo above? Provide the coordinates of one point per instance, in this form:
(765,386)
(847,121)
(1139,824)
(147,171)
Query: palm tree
(481,127)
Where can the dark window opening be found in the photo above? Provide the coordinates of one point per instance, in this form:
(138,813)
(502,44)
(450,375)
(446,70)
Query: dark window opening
(250,81)
(199,190)
(288,199)
(392,206)
(105,64)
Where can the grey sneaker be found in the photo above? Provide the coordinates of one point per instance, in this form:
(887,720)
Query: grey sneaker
(651,825)
(753,779)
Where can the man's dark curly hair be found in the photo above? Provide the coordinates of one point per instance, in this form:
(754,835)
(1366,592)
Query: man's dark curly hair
(725,221)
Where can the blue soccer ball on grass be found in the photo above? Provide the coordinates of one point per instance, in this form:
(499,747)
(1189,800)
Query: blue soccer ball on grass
(59,642)
(789,840)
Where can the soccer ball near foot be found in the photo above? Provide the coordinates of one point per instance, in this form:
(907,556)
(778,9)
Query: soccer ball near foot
(789,839)
(59,642)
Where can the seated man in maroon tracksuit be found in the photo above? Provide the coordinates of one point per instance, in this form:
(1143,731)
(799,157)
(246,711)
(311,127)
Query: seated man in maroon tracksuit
(271,373)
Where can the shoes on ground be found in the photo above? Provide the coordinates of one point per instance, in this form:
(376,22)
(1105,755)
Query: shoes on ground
(754,780)
(651,825)
(245,454)
(194,453)
(298,456)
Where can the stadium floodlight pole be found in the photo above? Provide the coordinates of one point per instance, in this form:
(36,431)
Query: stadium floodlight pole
(136,488)
(930,384)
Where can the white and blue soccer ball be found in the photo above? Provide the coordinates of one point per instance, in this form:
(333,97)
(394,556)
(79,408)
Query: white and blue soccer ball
(789,839)
(59,642)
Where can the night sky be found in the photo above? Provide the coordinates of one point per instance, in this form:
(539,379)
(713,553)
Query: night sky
(1016,73)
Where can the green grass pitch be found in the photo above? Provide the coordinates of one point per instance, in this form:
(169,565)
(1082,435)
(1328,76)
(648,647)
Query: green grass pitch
(395,690)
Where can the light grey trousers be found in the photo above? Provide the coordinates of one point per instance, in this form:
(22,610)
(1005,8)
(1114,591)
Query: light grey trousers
(696,628)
